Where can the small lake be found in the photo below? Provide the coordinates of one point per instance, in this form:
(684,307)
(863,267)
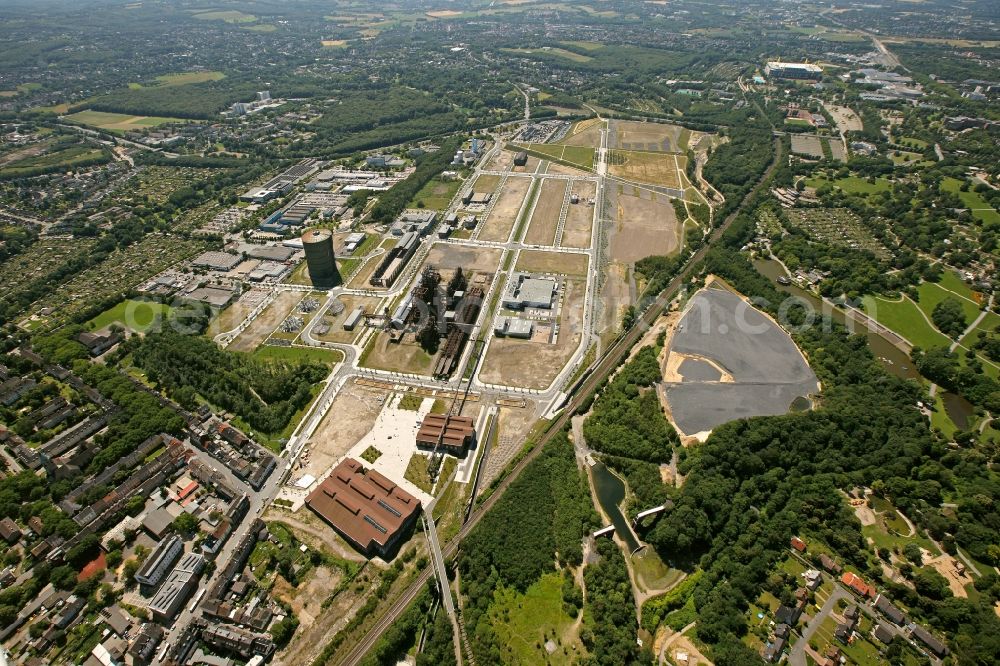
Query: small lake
(610,494)
(894,359)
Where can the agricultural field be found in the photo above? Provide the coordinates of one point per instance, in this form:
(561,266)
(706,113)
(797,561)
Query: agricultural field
(545,218)
(580,218)
(662,169)
(647,137)
(137,316)
(119,123)
(837,226)
(498,225)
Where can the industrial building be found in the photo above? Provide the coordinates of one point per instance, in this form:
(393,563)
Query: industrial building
(216,261)
(524,291)
(513,327)
(178,586)
(793,70)
(418,221)
(367,509)
(354,318)
(448,434)
(353,242)
(158,564)
(395,260)
(318,244)
(521,158)
(472,198)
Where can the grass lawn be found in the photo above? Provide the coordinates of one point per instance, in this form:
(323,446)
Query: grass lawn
(119,122)
(436,194)
(411,401)
(582,156)
(587,46)
(418,472)
(132,314)
(299,354)
(65,157)
(905,318)
(931,294)
(562,53)
(521,622)
(971,200)
(853,184)
(990,322)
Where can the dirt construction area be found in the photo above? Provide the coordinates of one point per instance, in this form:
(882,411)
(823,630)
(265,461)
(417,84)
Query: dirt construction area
(268,320)
(545,219)
(645,224)
(231,317)
(580,218)
(336,435)
(514,424)
(504,363)
(845,119)
(645,167)
(502,161)
(562,263)
(447,256)
(630,135)
(498,225)
(584,133)
(335,322)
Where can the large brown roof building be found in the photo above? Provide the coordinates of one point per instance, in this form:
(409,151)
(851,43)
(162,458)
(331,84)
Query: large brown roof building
(450,434)
(365,507)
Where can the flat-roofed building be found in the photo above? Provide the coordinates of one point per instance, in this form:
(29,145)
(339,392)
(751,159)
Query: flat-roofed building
(216,261)
(365,507)
(178,586)
(354,318)
(513,327)
(450,434)
(524,291)
(793,70)
(158,564)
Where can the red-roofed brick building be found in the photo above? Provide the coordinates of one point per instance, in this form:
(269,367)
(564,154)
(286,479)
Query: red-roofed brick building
(798,544)
(857,584)
(365,507)
(449,434)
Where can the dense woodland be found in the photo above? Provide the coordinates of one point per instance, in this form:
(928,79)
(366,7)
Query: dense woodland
(265,394)
(512,547)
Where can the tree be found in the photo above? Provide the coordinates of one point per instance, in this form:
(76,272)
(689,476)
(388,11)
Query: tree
(949,317)
(185,523)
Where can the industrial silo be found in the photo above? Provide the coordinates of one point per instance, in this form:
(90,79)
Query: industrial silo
(318,244)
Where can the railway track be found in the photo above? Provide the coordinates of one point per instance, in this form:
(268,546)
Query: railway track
(604,367)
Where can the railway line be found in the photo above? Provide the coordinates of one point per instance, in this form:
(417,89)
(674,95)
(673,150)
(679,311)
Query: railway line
(605,366)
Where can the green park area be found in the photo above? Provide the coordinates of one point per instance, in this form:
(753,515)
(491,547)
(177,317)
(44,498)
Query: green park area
(132,314)
(524,622)
(298,354)
(906,318)
(973,201)
(436,194)
(119,123)
(54,160)
(182,79)
(852,184)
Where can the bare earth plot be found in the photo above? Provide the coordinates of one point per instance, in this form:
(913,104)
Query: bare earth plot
(231,317)
(486,183)
(505,359)
(631,135)
(580,218)
(268,320)
(542,229)
(645,167)
(336,322)
(513,425)
(769,374)
(615,297)
(498,225)
(501,161)
(557,169)
(645,224)
(336,435)
(845,118)
(584,133)
(562,263)
(445,256)
(807,144)
(529,167)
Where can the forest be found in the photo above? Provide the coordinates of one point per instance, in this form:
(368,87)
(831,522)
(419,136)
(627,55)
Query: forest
(392,203)
(539,520)
(265,394)
(755,483)
(627,419)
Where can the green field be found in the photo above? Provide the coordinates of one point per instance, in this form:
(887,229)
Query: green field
(522,621)
(971,200)
(230,16)
(436,194)
(905,318)
(118,123)
(587,46)
(853,184)
(299,354)
(184,78)
(582,156)
(132,314)
(67,157)
(931,294)
(562,53)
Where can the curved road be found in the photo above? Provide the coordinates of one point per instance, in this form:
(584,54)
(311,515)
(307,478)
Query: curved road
(604,368)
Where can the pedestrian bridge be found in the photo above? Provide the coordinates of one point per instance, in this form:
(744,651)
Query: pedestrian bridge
(649,512)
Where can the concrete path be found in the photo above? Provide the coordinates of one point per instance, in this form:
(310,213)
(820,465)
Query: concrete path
(797,656)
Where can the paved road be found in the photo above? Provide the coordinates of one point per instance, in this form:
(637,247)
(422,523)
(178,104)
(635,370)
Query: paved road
(605,366)
(797,657)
